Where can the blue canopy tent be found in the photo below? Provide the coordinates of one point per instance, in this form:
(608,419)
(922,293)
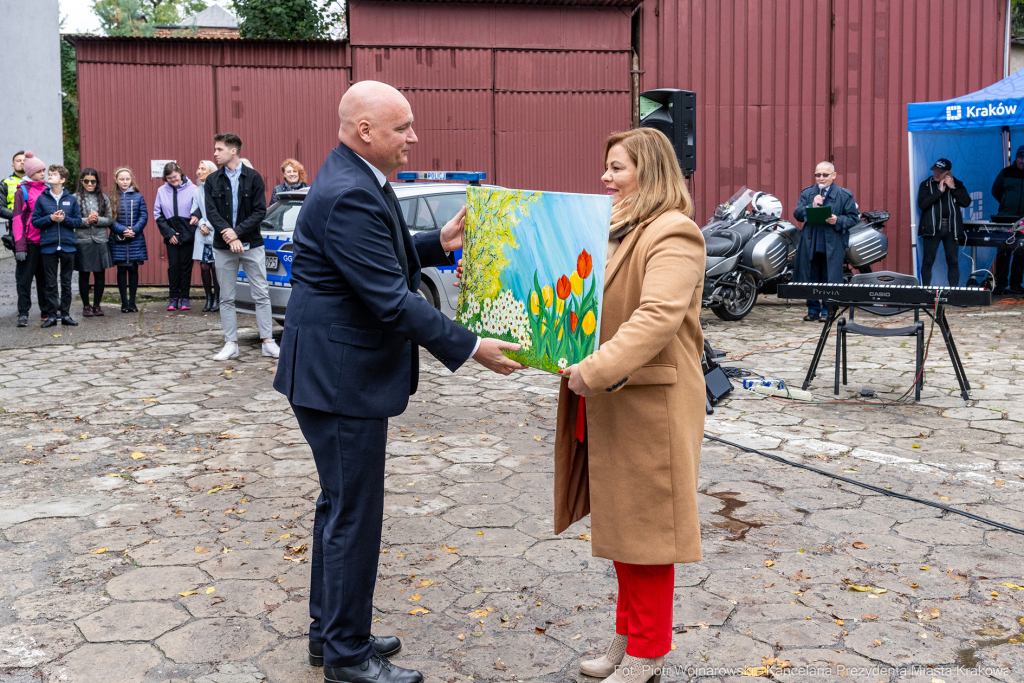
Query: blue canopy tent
(975,133)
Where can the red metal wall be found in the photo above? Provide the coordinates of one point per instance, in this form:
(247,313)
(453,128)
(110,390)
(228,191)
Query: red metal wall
(781,86)
(526,93)
(510,26)
(885,58)
(141,100)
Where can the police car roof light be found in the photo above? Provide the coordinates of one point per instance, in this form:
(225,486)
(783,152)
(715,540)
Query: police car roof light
(472,177)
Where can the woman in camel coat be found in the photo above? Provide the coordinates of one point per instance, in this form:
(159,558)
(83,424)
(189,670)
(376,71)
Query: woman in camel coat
(631,461)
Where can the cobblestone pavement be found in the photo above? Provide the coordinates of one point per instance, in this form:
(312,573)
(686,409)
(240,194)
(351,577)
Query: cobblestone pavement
(156,508)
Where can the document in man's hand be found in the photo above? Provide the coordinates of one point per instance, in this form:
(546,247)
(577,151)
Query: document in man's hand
(816,215)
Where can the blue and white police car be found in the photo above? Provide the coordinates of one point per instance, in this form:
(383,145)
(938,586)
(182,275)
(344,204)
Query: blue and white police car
(425,205)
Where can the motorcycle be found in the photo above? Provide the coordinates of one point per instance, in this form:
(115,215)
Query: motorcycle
(867,245)
(753,251)
(746,252)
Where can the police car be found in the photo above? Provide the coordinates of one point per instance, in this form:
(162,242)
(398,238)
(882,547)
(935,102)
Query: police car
(425,206)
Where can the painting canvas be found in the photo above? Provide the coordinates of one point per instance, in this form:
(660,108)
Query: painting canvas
(533,272)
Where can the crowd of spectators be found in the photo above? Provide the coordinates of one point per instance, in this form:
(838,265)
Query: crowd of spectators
(214,220)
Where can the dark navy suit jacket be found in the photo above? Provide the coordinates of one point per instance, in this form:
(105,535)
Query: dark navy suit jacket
(354,323)
(837,236)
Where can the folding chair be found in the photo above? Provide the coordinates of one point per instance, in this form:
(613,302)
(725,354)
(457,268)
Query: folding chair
(916,330)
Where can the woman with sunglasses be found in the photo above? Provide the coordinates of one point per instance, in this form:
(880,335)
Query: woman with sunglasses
(93,253)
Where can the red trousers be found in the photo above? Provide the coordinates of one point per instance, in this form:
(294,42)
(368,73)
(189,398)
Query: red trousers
(644,611)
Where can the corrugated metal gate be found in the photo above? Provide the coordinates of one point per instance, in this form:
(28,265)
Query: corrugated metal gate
(783,84)
(526,93)
(144,100)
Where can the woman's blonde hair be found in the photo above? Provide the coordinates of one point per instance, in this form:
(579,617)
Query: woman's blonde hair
(209,166)
(660,183)
(299,168)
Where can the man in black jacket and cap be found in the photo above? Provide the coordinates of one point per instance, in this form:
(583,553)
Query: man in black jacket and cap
(1008,189)
(942,223)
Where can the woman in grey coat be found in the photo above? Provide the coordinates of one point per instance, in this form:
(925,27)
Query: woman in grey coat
(202,249)
(92,255)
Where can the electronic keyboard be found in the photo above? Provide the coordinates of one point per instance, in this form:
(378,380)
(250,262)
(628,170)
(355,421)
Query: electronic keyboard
(881,294)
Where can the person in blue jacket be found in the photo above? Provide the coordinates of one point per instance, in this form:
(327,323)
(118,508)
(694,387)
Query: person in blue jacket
(128,243)
(56,215)
(822,248)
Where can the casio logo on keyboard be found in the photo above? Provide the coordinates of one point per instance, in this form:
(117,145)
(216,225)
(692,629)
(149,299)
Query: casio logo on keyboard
(879,293)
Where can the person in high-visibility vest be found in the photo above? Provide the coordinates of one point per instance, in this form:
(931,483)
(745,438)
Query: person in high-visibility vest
(11,183)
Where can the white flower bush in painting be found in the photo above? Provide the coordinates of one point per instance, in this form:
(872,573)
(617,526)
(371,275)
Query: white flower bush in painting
(503,315)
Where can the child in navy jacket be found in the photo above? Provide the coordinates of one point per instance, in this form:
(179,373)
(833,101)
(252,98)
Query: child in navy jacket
(56,215)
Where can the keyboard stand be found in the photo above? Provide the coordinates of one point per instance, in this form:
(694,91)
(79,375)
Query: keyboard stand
(937,313)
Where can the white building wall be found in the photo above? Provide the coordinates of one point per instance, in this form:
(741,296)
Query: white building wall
(30,108)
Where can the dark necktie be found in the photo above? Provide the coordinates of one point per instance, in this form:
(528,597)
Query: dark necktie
(396,230)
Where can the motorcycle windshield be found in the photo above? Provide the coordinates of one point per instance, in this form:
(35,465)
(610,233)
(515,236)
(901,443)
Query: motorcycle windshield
(734,207)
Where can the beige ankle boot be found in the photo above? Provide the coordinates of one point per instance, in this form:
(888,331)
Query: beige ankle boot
(604,666)
(637,670)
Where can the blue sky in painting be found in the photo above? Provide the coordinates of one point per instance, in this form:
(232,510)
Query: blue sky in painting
(557,229)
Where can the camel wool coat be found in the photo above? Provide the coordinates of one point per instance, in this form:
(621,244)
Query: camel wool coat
(636,470)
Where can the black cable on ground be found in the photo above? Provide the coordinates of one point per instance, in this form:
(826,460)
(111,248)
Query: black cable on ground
(876,489)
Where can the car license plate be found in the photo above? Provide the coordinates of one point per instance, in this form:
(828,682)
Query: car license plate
(271,262)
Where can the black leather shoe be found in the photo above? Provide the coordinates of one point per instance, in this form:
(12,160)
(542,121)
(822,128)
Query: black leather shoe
(68,320)
(385,646)
(374,670)
(50,322)
(812,317)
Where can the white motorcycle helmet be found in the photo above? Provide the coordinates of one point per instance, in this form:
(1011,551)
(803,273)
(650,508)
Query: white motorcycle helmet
(767,204)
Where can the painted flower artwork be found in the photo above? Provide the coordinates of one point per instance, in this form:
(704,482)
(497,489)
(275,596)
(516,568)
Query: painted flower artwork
(533,272)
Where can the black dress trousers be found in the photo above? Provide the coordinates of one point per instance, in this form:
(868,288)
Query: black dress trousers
(58,301)
(179,270)
(349,455)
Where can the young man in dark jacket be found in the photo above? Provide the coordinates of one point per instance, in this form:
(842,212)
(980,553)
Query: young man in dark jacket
(1008,189)
(236,203)
(56,215)
(940,199)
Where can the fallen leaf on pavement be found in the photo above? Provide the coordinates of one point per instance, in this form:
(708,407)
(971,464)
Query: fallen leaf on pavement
(861,546)
(461,636)
(769,563)
(415,596)
(452,550)
(187,593)
(138,456)
(868,617)
(99,551)
(210,590)
(419,610)
(201,549)
(424,582)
